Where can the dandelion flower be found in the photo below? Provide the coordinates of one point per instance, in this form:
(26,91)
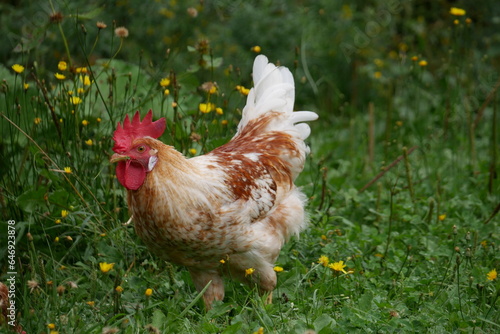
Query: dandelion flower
(256,49)
(26,86)
(58,221)
(442,217)
(75,100)
(492,275)
(166,92)
(278,269)
(148,292)
(38,120)
(222,261)
(89,142)
(323,260)
(193,12)
(18,68)
(192,151)
(164,82)
(338,266)
(457,11)
(64,213)
(33,285)
(62,66)
(68,170)
(121,32)
(101,25)
(422,63)
(219,111)
(51,326)
(249,271)
(105,267)
(119,289)
(60,76)
(85,122)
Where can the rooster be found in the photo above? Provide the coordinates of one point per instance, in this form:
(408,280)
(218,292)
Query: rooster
(237,203)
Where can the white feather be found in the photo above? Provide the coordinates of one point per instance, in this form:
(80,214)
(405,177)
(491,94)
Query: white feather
(274,91)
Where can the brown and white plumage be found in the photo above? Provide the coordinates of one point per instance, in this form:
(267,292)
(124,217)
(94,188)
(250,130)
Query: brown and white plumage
(237,203)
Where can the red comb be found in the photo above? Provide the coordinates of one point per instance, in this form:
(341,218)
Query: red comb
(124,136)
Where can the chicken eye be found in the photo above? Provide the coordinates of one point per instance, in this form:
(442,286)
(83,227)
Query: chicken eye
(141,149)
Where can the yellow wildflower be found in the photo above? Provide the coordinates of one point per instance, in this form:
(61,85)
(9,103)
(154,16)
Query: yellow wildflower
(98,119)
(80,90)
(62,66)
(166,92)
(148,292)
(338,266)
(105,267)
(85,122)
(468,20)
(64,213)
(68,170)
(89,142)
(256,49)
(222,261)
(456,22)
(81,70)
(51,326)
(414,58)
(219,111)
(242,90)
(18,68)
(259,331)
(75,100)
(58,221)
(26,86)
(457,11)
(324,237)
(377,75)
(91,303)
(85,79)
(484,243)
(56,239)
(192,151)
(60,76)
(249,271)
(442,217)
(224,122)
(422,63)
(53,332)
(119,289)
(165,82)
(206,107)
(38,120)
(492,275)
(323,260)
(278,269)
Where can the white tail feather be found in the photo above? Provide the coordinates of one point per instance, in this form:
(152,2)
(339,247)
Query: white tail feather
(274,90)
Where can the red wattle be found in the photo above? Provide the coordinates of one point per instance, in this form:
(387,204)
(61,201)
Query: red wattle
(130,174)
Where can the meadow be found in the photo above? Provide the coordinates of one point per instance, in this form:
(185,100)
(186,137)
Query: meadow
(402,181)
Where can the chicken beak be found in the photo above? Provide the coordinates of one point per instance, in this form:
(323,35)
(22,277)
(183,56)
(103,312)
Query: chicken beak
(118,157)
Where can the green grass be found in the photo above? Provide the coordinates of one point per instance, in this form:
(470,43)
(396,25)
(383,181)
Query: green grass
(402,178)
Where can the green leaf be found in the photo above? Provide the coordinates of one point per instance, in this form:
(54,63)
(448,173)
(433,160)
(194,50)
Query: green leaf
(32,199)
(159,319)
(325,322)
